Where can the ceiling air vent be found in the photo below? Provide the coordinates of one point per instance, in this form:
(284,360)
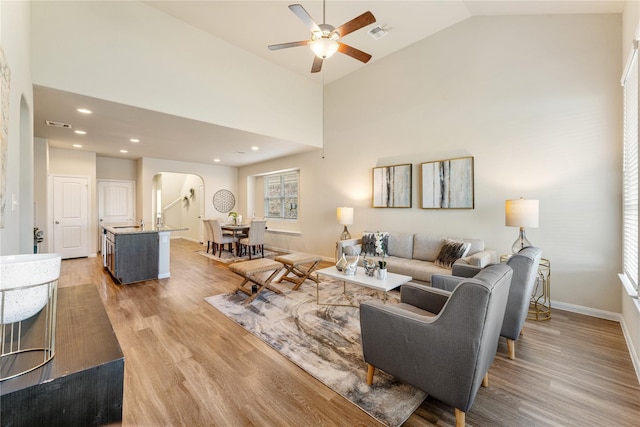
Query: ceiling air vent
(58,124)
(377,32)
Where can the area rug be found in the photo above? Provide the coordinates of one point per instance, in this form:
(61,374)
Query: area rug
(228,257)
(325,342)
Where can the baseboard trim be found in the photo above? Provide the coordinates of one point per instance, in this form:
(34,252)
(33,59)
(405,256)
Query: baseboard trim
(632,351)
(588,311)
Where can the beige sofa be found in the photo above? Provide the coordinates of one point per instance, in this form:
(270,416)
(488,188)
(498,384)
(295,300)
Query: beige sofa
(413,254)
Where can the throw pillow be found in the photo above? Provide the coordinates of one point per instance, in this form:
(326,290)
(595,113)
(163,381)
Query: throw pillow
(374,243)
(451,251)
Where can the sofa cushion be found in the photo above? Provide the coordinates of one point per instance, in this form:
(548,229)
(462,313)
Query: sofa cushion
(426,247)
(418,270)
(451,251)
(401,245)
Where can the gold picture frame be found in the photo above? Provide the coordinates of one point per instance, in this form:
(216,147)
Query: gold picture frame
(392,186)
(447,184)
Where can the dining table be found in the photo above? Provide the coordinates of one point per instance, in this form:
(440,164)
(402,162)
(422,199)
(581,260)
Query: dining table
(239,231)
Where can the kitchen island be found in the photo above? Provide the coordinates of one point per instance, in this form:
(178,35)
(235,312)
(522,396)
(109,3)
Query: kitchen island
(133,253)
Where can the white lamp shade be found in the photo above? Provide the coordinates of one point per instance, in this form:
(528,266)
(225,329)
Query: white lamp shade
(345,216)
(324,47)
(521,213)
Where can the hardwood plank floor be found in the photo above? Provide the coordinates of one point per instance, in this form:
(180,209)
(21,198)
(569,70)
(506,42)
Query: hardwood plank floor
(187,364)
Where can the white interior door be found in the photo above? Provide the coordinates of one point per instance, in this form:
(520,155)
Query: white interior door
(71,216)
(116,201)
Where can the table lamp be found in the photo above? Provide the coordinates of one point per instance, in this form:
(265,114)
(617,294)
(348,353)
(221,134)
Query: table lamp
(345,217)
(521,213)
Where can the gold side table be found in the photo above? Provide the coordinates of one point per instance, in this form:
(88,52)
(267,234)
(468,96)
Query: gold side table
(540,305)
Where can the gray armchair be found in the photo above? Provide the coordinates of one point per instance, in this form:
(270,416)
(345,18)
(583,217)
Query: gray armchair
(525,270)
(440,342)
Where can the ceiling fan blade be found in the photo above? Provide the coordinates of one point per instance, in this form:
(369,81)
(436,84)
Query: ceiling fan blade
(286,45)
(356,23)
(304,17)
(353,52)
(317,64)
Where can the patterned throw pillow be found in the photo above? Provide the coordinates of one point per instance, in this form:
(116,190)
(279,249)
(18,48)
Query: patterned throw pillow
(451,251)
(373,243)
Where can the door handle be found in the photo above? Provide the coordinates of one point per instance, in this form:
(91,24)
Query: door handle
(57,222)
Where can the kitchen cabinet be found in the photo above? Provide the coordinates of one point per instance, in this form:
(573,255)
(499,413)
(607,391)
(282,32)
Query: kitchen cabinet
(131,257)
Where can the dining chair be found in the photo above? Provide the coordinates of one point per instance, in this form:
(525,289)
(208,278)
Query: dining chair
(208,234)
(220,239)
(254,239)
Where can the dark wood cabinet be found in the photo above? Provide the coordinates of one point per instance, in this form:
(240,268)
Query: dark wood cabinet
(132,257)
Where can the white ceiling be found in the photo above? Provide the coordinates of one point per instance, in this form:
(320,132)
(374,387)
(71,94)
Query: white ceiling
(252,26)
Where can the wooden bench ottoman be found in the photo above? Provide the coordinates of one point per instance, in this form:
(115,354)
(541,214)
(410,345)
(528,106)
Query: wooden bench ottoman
(252,272)
(298,268)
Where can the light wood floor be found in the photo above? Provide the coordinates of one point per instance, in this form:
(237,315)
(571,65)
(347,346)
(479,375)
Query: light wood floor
(188,365)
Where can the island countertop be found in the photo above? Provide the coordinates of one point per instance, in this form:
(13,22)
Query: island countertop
(132,252)
(132,228)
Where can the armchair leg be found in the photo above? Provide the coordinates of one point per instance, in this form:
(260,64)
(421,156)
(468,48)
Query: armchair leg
(460,418)
(370,370)
(511,347)
(485,380)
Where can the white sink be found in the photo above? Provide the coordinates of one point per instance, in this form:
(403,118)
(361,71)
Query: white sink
(23,284)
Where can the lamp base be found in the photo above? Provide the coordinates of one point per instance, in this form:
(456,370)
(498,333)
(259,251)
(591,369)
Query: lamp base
(345,234)
(521,242)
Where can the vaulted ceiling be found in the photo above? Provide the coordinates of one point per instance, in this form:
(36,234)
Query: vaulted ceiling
(252,26)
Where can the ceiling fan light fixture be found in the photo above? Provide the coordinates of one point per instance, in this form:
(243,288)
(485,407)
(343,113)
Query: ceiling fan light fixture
(324,47)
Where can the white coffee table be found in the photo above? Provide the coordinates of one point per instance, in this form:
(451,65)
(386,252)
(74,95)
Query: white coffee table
(361,279)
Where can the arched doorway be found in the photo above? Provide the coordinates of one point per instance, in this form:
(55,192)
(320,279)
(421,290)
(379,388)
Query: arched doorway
(179,202)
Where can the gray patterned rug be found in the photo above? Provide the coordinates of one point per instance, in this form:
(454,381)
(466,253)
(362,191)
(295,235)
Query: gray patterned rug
(325,342)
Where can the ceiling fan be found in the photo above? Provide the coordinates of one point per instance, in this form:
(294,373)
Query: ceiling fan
(324,37)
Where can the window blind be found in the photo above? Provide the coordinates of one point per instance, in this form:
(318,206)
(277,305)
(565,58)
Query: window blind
(630,170)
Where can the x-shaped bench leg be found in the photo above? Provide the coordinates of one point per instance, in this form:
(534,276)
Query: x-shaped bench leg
(301,273)
(262,284)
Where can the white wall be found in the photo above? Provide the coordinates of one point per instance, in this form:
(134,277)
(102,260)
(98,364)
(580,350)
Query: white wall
(40,196)
(117,169)
(535,100)
(131,53)
(17,234)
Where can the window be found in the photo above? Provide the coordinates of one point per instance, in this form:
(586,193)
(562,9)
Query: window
(281,195)
(630,169)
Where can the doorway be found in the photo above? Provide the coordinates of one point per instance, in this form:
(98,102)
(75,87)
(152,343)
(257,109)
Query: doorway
(179,203)
(70,195)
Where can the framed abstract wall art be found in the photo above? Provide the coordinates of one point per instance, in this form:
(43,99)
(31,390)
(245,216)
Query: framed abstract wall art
(392,186)
(447,184)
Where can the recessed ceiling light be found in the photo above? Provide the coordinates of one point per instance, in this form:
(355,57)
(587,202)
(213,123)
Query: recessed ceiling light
(216,160)
(80,132)
(84,111)
(134,140)
(254,148)
(123,151)
(77,145)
